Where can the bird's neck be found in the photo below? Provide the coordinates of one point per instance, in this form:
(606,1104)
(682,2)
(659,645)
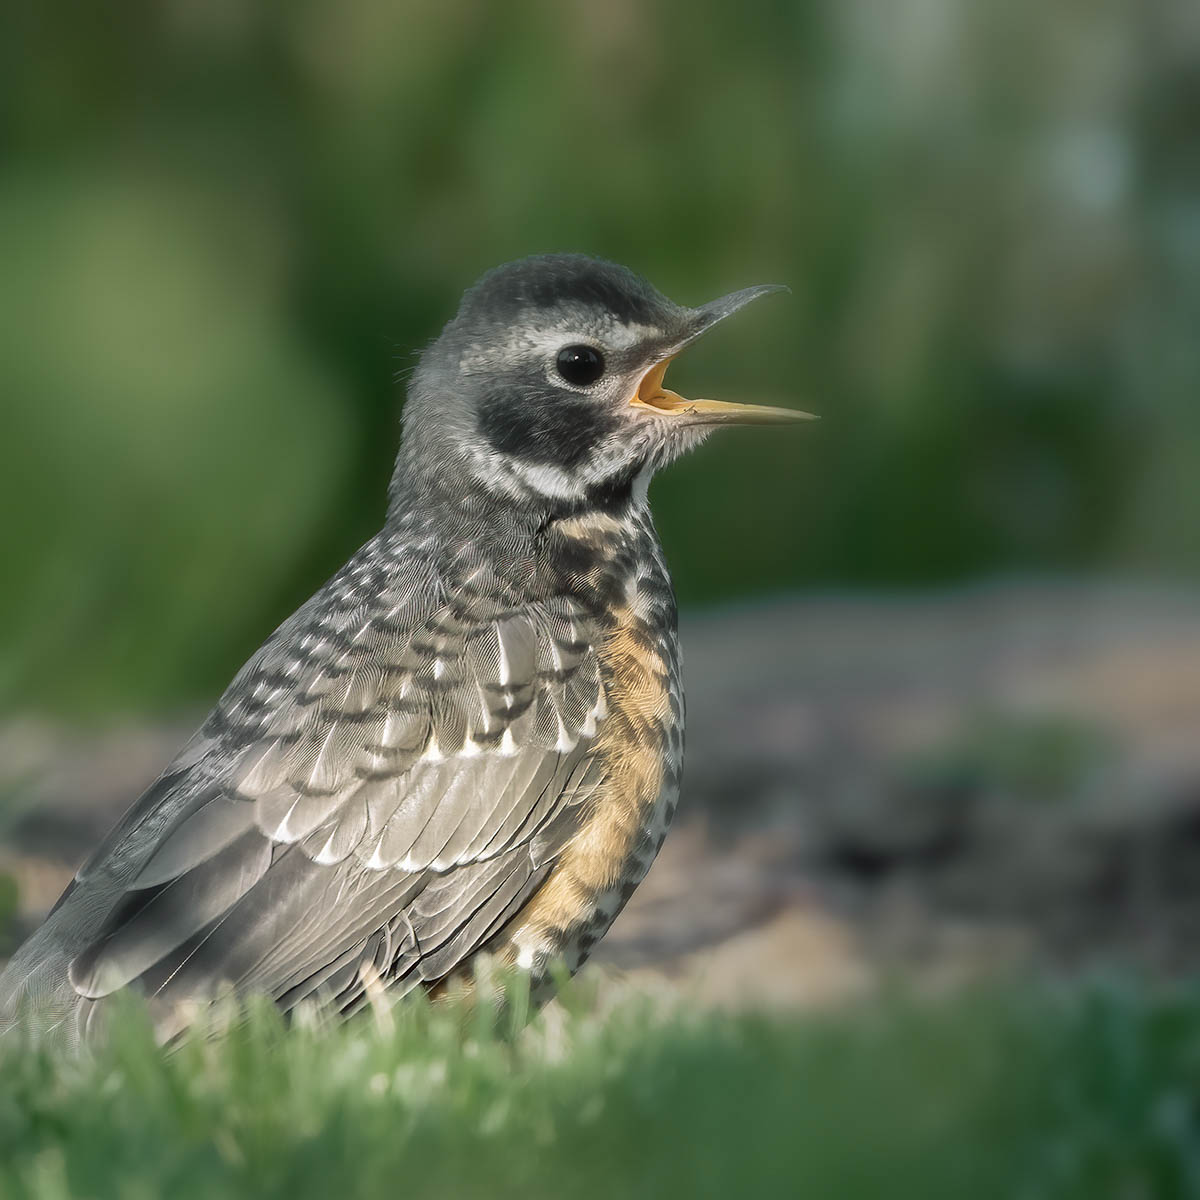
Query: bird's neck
(592,545)
(450,480)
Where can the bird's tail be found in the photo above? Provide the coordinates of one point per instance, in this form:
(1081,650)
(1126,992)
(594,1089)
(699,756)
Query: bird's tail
(37,998)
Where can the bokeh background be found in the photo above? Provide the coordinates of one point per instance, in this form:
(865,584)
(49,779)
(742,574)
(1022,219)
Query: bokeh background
(943,647)
(226,229)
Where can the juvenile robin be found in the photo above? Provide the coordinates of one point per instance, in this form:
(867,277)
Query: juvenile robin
(470,739)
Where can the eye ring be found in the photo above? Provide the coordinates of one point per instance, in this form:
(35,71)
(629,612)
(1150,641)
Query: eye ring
(580,365)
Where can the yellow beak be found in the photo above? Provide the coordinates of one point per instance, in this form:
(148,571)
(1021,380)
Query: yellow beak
(652,397)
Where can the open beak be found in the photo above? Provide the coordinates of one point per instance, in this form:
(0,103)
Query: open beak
(652,397)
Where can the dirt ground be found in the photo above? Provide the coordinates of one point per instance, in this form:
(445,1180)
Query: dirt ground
(941,784)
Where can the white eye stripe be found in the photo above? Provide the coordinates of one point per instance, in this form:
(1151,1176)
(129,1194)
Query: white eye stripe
(550,481)
(606,336)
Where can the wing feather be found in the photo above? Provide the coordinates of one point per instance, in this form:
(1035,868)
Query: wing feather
(390,809)
(151,922)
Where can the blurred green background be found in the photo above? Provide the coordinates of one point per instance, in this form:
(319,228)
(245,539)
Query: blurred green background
(226,228)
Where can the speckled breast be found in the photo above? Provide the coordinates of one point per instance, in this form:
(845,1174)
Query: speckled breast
(639,749)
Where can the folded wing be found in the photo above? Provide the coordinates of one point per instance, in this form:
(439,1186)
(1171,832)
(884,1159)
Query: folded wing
(388,809)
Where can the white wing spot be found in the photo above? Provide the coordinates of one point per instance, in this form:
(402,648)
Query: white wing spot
(597,714)
(377,862)
(282,832)
(325,856)
(565,741)
(505,664)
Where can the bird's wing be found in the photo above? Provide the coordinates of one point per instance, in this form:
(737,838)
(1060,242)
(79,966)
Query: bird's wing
(386,811)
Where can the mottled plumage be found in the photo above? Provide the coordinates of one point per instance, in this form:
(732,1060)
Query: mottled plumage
(470,738)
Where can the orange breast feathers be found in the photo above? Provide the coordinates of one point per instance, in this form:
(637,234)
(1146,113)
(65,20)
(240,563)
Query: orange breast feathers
(631,745)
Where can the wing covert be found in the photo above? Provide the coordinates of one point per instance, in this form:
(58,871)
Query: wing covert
(393,807)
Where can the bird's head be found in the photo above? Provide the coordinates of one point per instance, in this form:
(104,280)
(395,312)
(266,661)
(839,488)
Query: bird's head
(548,383)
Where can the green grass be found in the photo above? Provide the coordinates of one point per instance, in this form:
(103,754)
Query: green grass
(1088,1091)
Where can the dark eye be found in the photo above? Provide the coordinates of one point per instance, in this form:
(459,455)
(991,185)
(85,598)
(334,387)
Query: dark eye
(580,365)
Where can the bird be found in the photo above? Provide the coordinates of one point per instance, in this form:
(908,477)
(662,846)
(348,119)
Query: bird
(469,741)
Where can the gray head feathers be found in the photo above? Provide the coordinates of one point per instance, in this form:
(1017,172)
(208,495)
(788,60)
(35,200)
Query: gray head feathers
(499,402)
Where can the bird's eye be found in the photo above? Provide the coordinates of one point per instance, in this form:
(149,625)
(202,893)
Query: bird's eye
(580,365)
